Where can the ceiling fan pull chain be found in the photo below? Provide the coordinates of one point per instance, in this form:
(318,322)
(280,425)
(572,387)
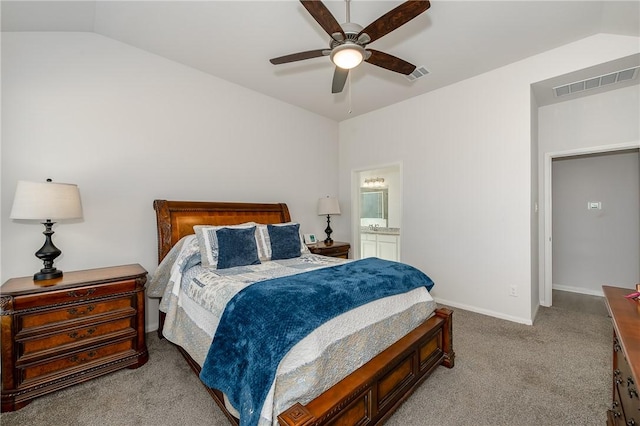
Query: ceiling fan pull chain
(350,105)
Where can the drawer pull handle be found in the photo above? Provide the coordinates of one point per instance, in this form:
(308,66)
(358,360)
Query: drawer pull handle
(76,335)
(76,311)
(74,293)
(77,358)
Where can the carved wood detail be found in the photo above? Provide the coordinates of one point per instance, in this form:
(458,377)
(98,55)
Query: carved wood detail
(6,305)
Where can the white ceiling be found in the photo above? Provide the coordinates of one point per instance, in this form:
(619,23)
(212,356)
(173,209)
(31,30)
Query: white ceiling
(234,40)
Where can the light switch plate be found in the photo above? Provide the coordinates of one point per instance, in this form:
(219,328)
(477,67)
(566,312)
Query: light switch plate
(594,205)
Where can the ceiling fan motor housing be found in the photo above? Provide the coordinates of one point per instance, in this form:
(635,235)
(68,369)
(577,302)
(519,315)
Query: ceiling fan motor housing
(351,31)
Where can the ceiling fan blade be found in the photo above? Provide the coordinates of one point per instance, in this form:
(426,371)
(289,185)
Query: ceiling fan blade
(322,15)
(395,18)
(390,62)
(339,79)
(300,56)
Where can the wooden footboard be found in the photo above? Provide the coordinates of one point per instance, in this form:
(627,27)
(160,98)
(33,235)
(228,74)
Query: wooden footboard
(374,391)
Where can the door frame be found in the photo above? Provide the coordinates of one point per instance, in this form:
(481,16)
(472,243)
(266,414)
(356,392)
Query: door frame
(355,202)
(546,281)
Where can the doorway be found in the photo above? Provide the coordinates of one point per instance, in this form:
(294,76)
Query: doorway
(377,197)
(595,215)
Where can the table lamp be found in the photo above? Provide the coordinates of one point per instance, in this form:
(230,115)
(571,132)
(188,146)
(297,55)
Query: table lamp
(328,206)
(46,201)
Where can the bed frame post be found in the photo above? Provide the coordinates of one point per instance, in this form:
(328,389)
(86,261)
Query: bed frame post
(447,336)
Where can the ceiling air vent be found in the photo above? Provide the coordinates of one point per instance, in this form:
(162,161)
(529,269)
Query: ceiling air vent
(417,73)
(593,83)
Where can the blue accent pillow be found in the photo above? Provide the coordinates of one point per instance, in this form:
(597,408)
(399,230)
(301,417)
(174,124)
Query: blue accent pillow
(285,241)
(237,247)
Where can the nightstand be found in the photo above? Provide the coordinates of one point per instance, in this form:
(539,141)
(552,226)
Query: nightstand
(67,330)
(337,249)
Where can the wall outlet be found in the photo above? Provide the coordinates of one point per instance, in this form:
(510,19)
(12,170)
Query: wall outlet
(513,291)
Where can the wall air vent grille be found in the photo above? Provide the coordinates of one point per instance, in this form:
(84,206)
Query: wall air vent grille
(595,82)
(417,73)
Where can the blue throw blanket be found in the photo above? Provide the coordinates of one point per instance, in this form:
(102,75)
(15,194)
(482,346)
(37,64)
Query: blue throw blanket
(265,320)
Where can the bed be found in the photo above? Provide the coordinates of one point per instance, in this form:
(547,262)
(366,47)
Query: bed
(367,395)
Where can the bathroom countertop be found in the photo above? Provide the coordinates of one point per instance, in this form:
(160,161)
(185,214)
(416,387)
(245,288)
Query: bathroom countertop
(379,230)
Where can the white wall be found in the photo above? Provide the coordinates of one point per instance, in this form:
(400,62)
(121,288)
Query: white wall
(129,127)
(608,118)
(466,155)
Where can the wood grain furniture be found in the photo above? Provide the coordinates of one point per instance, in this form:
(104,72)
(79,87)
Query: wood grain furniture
(370,394)
(625,316)
(337,249)
(67,330)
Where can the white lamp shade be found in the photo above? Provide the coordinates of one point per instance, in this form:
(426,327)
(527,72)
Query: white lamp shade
(328,205)
(46,200)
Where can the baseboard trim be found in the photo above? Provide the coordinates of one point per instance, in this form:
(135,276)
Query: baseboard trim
(487,312)
(577,290)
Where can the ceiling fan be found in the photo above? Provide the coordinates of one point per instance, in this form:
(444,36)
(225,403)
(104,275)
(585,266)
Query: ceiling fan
(349,40)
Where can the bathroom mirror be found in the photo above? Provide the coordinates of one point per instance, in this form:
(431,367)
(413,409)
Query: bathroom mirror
(374,203)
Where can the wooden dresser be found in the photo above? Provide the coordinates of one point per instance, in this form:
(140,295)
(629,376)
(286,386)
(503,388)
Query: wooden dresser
(64,331)
(625,315)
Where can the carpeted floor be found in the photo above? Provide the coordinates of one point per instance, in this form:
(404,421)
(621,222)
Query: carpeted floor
(556,372)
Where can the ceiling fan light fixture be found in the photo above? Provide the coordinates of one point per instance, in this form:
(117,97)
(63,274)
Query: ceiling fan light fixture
(347,56)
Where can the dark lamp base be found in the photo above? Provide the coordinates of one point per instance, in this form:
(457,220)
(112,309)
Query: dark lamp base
(328,241)
(47,274)
(47,253)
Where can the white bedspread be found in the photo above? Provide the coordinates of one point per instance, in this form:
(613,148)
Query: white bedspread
(194,300)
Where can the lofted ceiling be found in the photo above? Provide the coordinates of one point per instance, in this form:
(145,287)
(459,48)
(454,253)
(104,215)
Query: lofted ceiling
(234,40)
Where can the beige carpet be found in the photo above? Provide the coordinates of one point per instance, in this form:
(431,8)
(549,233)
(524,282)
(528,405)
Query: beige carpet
(556,372)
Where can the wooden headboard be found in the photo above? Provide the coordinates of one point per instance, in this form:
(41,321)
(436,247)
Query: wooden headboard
(176,218)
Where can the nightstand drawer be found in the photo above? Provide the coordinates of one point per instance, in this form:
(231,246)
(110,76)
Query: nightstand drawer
(72,312)
(71,337)
(72,295)
(81,358)
(335,252)
(337,249)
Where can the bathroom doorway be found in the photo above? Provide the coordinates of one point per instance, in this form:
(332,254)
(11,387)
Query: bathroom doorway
(378,215)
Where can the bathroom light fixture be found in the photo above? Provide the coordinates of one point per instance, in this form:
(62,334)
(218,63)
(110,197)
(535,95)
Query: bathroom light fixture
(348,55)
(46,201)
(328,206)
(377,182)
